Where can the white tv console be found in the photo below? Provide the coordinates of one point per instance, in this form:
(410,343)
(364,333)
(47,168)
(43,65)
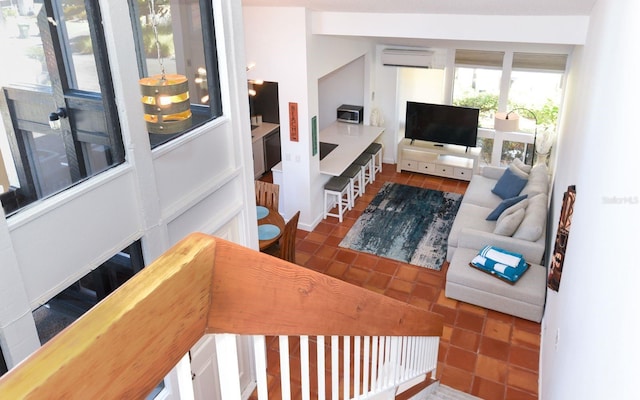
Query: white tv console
(451,161)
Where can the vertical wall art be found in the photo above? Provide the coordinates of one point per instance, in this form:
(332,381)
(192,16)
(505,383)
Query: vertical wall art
(293,122)
(314,135)
(562,237)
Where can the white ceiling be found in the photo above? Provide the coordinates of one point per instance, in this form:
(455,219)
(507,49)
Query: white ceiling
(472,7)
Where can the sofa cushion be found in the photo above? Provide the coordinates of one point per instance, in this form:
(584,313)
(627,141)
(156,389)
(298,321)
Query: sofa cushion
(535,218)
(479,192)
(508,225)
(518,172)
(509,185)
(538,180)
(521,204)
(469,216)
(504,204)
(518,163)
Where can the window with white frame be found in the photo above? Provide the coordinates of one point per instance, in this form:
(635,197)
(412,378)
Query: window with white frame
(534,92)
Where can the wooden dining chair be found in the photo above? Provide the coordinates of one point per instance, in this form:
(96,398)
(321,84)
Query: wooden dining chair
(285,248)
(267,194)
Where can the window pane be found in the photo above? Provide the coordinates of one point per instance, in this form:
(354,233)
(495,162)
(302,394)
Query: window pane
(81,65)
(171,40)
(539,92)
(478,88)
(512,150)
(486,148)
(39,158)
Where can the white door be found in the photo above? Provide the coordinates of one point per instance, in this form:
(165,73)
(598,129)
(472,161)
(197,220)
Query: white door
(204,368)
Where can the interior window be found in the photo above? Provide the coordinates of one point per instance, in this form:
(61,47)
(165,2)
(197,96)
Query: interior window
(59,121)
(82,295)
(176,42)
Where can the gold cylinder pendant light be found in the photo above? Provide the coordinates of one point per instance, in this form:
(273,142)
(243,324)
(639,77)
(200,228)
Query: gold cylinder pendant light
(167,108)
(165,97)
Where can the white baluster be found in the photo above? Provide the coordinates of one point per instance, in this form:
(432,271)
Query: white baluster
(285,378)
(260,353)
(304,367)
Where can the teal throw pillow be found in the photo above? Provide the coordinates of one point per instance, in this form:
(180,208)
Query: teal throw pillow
(509,185)
(504,204)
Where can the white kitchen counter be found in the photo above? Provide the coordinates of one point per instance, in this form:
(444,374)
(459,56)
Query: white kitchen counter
(263,130)
(352,140)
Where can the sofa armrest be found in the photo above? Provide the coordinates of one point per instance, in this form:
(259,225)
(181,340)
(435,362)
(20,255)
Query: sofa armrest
(492,172)
(474,239)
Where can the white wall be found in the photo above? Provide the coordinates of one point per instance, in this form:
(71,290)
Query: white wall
(590,348)
(202,181)
(279,42)
(342,86)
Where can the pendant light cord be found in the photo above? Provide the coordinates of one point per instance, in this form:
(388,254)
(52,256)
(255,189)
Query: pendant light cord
(154,26)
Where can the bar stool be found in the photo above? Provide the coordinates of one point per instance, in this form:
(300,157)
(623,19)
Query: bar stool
(365,161)
(375,149)
(354,173)
(338,187)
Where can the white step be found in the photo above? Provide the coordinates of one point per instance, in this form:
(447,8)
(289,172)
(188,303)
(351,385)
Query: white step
(446,393)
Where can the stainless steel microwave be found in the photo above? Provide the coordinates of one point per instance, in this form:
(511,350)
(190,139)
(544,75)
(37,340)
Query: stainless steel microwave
(350,113)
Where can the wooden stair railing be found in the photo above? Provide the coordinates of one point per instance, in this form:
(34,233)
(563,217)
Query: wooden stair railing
(127,343)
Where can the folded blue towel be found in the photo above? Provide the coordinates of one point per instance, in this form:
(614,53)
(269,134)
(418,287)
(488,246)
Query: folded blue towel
(502,263)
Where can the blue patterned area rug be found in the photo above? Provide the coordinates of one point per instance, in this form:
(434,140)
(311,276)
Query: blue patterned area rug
(406,223)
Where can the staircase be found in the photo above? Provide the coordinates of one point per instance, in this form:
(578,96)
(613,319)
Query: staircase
(204,286)
(443,392)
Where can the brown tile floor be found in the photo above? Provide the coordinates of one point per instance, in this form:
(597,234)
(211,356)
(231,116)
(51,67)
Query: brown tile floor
(482,352)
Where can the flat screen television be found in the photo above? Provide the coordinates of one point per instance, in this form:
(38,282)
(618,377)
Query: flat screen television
(442,124)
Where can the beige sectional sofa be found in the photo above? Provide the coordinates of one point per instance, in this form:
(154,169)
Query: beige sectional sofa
(520,228)
(478,202)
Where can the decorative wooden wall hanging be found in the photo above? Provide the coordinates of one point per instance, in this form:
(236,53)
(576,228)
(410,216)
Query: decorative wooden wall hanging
(562,237)
(293,122)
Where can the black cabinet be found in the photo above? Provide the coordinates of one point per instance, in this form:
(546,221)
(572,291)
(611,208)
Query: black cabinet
(272,149)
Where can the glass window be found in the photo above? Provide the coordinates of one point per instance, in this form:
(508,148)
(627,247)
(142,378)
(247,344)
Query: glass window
(478,88)
(58,125)
(171,43)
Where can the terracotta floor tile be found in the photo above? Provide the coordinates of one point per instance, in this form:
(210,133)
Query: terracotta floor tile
(431,278)
(326,252)
(448,313)
(526,339)
(332,241)
(523,379)
(492,369)
(387,266)
(494,348)
(497,329)
(472,309)
(456,378)
(514,393)
(470,321)
(466,340)
(445,301)
(525,358)
(426,292)
(378,281)
(460,358)
(401,286)
(316,237)
(357,276)
(306,246)
(407,273)
(489,354)
(318,263)
(337,269)
(345,256)
(488,390)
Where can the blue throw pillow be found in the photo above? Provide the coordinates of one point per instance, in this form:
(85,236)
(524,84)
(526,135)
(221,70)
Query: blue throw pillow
(509,185)
(504,204)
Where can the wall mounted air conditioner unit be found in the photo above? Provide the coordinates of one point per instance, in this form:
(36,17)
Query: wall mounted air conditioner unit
(407,58)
